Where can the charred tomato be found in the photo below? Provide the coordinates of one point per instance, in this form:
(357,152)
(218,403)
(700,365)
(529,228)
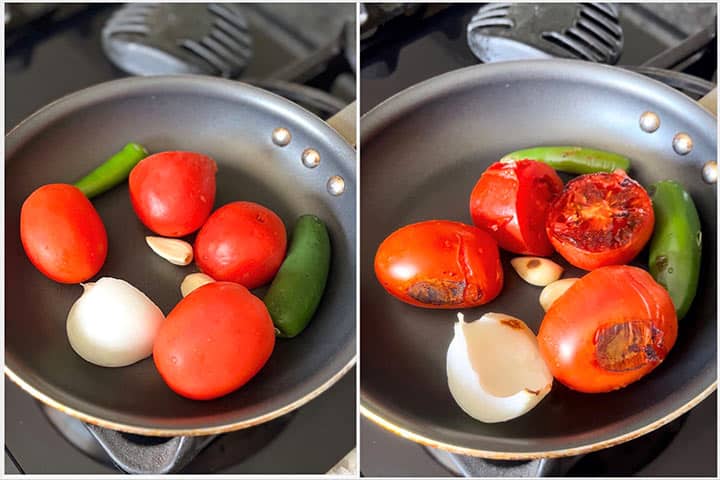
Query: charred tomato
(601,219)
(510,202)
(440,264)
(611,328)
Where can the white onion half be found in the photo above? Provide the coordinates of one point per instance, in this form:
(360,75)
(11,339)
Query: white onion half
(113,324)
(494,368)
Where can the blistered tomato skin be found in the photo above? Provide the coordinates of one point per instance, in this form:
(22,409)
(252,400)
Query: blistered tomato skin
(241,242)
(440,264)
(510,201)
(173,193)
(214,341)
(62,233)
(601,219)
(611,328)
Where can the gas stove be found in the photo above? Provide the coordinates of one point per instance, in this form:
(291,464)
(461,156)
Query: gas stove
(404,44)
(303,52)
(298,51)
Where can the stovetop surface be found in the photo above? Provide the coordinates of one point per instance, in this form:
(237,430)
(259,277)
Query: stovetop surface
(413,48)
(60,57)
(692,452)
(410,49)
(310,440)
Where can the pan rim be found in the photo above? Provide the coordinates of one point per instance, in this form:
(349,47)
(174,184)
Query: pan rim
(399,104)
(565,452)
(171,432)
(346,353)
(405,98)
(107,89)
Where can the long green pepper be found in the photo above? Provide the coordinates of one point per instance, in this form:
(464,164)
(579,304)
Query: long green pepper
(578,160)
(113,171)
(676,245)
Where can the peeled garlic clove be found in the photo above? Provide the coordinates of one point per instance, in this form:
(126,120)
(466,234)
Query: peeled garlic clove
(494,368)
(113,324)
(554,291)
(537,270)
(177,252)
(193,281)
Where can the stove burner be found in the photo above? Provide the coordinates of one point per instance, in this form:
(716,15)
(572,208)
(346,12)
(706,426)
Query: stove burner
(586,31)
(76,433)
(156,39)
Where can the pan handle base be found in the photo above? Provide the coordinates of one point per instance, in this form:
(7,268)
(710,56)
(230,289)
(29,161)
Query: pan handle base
(469,466)
(148,455)
(543,467)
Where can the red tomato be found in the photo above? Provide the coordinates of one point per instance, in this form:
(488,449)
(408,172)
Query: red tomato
(241,242)
(214,341)
(601,219)
(510,201)
(173,193)
(440,264)
(612,327)
(62,233)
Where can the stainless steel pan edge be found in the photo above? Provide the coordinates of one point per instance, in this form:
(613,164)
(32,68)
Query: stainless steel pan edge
(592,73)
(178,83)
(345,355)
(599,77)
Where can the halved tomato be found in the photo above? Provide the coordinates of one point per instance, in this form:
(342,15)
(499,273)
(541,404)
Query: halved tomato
(611,327)
(440,264)
(510,202)
(601,219)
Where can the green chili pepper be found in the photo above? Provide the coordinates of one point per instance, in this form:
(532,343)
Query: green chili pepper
(113,171)
(576,160)
(676,245)
(295,293)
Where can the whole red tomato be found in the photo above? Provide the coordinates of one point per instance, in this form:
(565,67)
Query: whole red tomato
(62,233)
(601,219)
(214,341)
(440,264)
(241,242)
(612,327)
(173,193)
(510,201)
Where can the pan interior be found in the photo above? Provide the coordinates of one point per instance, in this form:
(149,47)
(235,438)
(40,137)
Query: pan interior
(231,123)
(422,153)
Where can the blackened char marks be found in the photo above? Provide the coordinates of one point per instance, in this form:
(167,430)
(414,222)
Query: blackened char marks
(512,323)
(626,346)
(437,292)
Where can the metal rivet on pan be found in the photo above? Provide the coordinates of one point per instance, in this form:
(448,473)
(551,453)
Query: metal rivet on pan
(709,172)
(649,122)
(281,136)
(310,158)
(336,185)
(682,143)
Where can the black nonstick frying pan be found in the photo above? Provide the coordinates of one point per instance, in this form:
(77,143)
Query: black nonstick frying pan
(422,152)
(233,123)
